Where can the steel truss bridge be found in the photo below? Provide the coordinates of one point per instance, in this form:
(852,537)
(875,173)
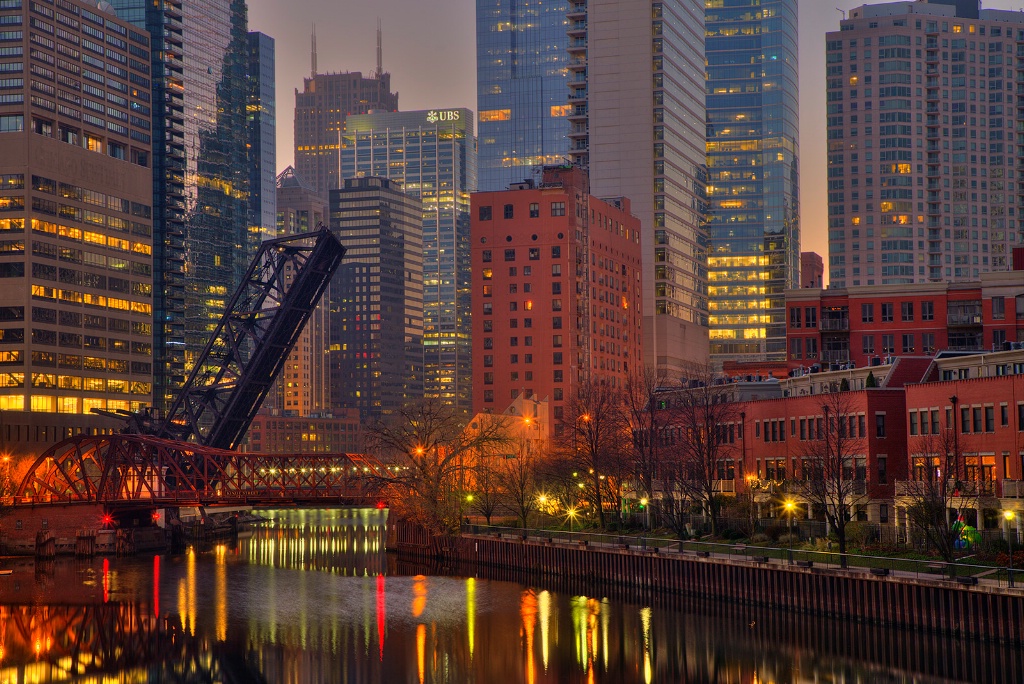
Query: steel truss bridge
(125,469)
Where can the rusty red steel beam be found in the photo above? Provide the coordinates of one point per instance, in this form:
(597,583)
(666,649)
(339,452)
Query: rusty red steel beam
(141,468)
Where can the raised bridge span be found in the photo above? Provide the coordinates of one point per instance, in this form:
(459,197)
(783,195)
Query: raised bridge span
(133,469)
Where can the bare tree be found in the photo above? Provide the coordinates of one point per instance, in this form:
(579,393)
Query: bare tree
(431,455)
(834,462)
(487,492)
(940,491)
(595,438)
(647,417)
(701,413)
(518,474)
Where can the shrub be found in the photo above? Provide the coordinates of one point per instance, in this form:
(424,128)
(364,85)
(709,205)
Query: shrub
(759,538)
(732,534)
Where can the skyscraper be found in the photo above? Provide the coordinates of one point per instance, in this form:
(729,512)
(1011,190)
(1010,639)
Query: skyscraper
(654,155)
(521,88)
(76,264)
(262,125)
(433,155)
(376,354)
(752,151)
(922,151)
(304,386)
(320,112)
(200,172)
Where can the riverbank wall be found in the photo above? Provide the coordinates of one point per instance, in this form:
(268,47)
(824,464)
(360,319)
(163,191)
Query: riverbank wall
(935,605)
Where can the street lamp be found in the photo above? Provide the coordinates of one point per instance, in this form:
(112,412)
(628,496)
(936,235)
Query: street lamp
(790,508)
(1010,534)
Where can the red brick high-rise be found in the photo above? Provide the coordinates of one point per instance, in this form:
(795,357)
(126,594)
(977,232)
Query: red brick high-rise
(556,291)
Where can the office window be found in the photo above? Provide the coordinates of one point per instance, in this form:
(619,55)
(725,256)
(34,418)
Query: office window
(510,255)
(485,213)
(887,312)
(811,317)
(879,425)
(558,208)
(868,344)
(509,211)
(534,253)
(913,423)
(1004,415)
(888,344)
(907,311)
(990,419)
(794,317)
(556,252)
(796,348)
(867,313)
(534,210)
(927,311)
(908,343)
(486,254)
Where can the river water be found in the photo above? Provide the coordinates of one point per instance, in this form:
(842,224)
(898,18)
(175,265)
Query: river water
(312,597)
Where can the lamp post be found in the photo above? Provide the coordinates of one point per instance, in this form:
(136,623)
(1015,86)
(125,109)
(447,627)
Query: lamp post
(790,508)
(956,440)
(1010,534)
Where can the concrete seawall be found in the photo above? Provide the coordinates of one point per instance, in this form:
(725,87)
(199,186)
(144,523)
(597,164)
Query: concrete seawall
(938,606)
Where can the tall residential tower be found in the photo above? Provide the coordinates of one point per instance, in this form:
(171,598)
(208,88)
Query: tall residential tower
(753,180)
(922,148)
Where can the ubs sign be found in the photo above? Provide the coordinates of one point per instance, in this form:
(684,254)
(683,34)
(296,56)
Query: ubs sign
(435,116)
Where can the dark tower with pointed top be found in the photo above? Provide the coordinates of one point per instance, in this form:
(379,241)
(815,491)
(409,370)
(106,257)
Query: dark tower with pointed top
(320,111)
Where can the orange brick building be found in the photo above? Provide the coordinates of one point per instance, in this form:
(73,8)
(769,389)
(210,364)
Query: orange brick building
(556,291)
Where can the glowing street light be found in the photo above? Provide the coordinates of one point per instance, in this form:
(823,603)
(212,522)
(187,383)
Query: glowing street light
(790,507)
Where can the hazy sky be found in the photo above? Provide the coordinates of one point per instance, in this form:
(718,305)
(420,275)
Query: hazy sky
(429,50)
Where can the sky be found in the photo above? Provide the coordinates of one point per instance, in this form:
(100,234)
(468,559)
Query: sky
(429,48)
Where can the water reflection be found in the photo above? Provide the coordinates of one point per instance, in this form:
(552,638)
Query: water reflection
(311,598)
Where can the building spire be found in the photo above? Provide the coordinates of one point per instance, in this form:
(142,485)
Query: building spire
(312,54)
(380,52)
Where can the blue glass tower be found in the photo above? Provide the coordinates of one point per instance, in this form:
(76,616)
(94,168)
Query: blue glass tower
(262,125)
(522,88)
(431,153)
(200,172)
(752,158)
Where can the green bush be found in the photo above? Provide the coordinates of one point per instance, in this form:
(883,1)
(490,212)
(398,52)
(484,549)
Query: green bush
(732,534)
(759,538)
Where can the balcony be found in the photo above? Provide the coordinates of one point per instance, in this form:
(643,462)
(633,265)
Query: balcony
(835,324)
(971,488)
(967,319)
(1013,489)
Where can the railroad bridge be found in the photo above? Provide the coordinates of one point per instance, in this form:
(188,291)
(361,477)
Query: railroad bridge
(133,470)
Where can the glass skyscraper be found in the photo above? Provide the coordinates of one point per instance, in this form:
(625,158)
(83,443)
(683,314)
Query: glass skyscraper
(200,172)
(522,88)
(262,125)
(752,153)
(433,155)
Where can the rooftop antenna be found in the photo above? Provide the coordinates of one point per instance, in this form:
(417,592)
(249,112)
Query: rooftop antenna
(380,52)
(839,9)
(312,54)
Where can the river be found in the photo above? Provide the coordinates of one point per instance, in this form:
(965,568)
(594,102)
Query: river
(313,597)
